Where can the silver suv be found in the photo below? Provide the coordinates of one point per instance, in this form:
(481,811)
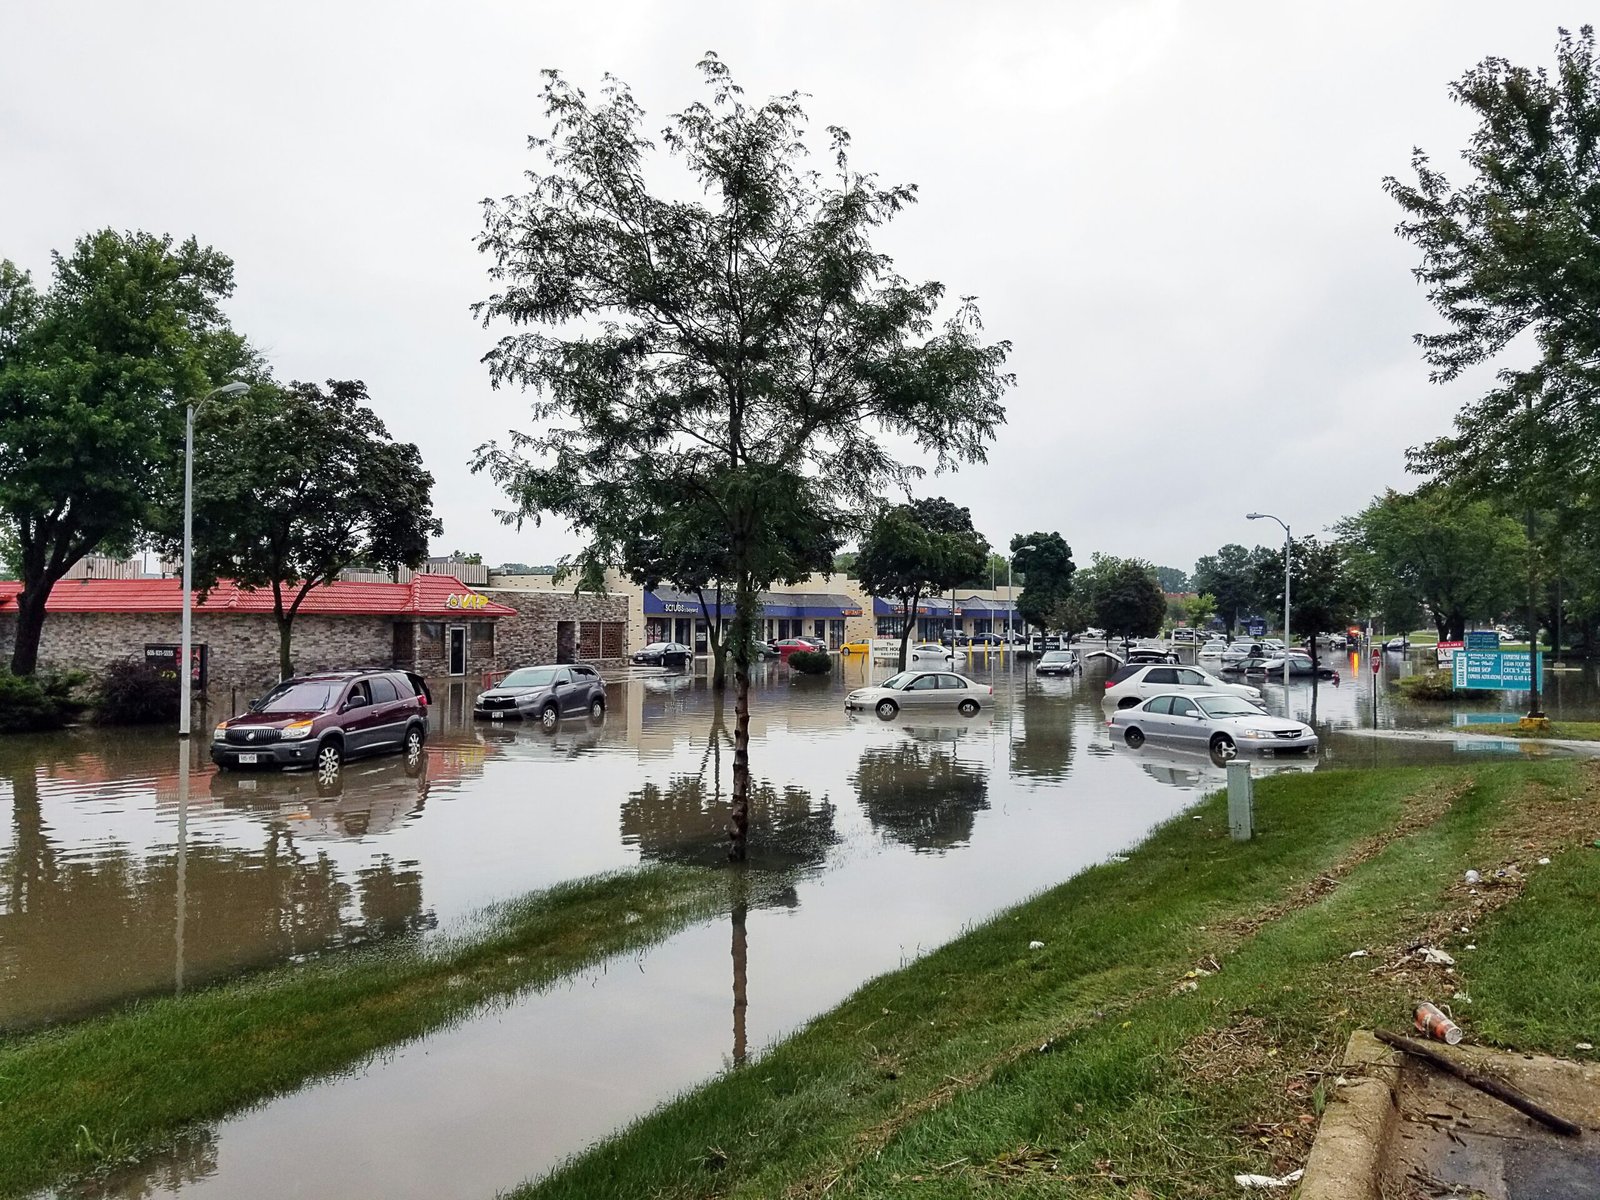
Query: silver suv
(545,693)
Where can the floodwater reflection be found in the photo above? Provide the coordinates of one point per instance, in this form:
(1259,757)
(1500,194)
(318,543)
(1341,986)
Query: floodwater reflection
(872,842)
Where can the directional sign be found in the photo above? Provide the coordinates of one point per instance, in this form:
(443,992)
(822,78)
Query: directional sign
(1482,639)
(1492,670)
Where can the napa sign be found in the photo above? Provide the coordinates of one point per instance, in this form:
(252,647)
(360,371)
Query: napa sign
(1492,670)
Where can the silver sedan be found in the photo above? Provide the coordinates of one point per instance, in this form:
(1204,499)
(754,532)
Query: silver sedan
(922,691)
(1224,725)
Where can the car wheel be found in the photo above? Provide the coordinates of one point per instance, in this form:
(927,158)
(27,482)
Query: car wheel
(413,742)
(1134,736)
(330,759)
(1127,702)
(597,708)
(548,716)
(1223,747)
(887,709)
(969,708)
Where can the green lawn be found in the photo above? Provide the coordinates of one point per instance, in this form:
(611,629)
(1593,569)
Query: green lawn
(1177,1023)
(89,1095)
(1576,731)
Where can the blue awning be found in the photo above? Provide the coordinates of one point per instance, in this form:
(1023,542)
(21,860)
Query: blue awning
(670,602)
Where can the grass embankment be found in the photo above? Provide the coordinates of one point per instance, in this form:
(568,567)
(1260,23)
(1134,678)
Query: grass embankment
(1572,731)
(92,1094)
(1185,1017)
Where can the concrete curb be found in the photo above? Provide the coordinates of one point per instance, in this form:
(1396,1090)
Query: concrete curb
(1348,1154)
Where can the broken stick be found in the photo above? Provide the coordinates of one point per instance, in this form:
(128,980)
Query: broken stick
(1493,1087)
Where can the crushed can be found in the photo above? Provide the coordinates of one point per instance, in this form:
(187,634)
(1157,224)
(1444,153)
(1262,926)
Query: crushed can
(1431,1021)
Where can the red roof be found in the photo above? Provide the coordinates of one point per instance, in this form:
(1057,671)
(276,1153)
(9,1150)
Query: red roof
(424,596)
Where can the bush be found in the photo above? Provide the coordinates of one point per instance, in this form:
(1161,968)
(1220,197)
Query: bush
(134,693)
(811,662)
(30,703)
(1440,685)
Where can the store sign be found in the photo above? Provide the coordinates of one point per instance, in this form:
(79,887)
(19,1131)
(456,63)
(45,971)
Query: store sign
(164,658)
(466,600)
(680,606)
(1482,639)
(1492,670)
(1447,651)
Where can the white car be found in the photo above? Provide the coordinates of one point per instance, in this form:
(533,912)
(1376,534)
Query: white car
(922,691)
(1224,725)
(1242,650)
(1213,649)
(1131,684)
(933,650)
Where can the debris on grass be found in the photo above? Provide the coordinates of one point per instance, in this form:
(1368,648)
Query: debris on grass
(1268,1181)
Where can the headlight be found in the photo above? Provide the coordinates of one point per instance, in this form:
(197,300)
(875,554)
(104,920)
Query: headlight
(1259,733)
(479,699)
(296,729)
(220,732)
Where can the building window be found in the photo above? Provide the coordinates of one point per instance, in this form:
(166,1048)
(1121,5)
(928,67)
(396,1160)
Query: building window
(405,643)
(601,639)
(433,631)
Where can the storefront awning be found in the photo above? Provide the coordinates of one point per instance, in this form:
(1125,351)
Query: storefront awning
(672,603)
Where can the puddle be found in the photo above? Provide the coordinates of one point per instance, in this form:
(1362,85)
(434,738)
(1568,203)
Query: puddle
(894,836)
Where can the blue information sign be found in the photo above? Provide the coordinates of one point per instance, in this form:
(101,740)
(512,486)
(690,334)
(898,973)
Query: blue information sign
(1493,670)
(1257,628)
(1482,639)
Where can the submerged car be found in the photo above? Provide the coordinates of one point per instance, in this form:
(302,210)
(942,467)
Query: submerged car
(922,691)
(1059,662)
(548,693)
(1128,685)
(1222,724)
(321,720)
(663,654)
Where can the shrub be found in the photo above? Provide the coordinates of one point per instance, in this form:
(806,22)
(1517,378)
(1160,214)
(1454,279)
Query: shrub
(30,703)
(132,692)
(1440,685)
(811,662)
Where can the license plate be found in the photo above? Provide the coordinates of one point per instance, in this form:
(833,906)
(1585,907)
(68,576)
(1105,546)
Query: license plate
(246,759)
(497,716)
(247,785)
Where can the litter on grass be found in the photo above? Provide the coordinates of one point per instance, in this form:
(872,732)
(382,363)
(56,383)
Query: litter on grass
(1268,1181)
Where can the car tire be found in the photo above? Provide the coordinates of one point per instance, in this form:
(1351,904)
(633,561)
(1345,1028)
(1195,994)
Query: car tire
(968,708)
(1127,701)
(412,744)
(1223,747)
(886,709)
(549,717)
(1134,736)
(330,761)
(597,708)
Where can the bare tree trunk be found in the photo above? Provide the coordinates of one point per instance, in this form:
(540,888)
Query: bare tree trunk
(285,663)
(910,616)
(30,628)
(739,814)
(741,972)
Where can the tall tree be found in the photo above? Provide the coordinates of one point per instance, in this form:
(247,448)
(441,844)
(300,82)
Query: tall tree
(1324,593)
(293,485)
(1229,577)
(1200,609)
(1460,559)
(1125,596)
(1173,579)
(94,376)
(1508,259)
(1045,560)
(715,340)
(919,549)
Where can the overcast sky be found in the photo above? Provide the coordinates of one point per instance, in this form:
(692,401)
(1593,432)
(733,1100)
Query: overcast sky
(1173,210)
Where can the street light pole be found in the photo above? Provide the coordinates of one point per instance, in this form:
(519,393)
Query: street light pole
(184,681)
(1011,597)
(1288,547)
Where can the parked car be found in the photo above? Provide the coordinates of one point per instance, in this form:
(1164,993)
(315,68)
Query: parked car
(1130,684)
(1059,662)
(987,639)
(1212,650)
(664,654)
(787,646)
(932,650)
(859,646)
(1225,725)
(922,691)
(1299,664)
(816,642)
(1241,650)
(1401,643)
(1149,654)
(548,693)
(321,720)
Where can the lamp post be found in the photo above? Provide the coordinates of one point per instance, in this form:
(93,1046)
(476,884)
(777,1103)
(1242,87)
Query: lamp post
(1287,548)
(184,683)
(1011,598)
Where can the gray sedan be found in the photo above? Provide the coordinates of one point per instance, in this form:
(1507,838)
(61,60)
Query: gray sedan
(1224,725)
(922,691)
(548,693)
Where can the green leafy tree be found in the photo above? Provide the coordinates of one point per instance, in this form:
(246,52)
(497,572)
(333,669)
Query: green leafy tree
(845,564)
(1045,560)
(721,343)
(1324,593)
(1507,261)
(1229,577)
(472,560)
(95,373)
(919,549)
(293,485)
(1125,596)
(1200,609)
(10,551)
(1460,559)
(1172,579)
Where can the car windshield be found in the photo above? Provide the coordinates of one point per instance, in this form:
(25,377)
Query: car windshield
(897,682)
(1057,656)
(1228,706)
(530,677)
(313,695)
(656,646)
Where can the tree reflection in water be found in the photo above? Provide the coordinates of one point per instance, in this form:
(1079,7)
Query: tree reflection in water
(1042,748)
(919,792)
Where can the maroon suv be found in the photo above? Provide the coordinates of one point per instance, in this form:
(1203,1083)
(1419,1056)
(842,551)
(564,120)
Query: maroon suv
(321,720)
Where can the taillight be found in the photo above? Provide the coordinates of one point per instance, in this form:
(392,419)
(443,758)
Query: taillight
(1109,685)
(423,701)
(991,691)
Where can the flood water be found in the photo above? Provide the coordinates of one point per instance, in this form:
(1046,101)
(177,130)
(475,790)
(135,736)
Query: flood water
(874,841)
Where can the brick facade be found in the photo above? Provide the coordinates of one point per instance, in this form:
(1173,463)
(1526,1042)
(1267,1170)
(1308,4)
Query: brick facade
(535,634)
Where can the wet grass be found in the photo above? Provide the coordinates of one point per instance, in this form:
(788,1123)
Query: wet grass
(1181,1021)
(91,1095)
(1575,731)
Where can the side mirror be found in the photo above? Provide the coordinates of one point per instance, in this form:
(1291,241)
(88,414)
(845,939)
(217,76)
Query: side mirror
(252,705)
